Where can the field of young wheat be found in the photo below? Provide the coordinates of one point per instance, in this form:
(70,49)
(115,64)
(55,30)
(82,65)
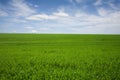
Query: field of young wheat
(59,57)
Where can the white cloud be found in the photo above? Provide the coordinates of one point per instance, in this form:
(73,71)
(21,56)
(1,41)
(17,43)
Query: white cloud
(75,2)
(41,17)
(3,13)
(14,31)
(44,29)
(98,2)
(113,6)
(55,15)
(107,22)
(103,12)
(17,20)
(34,31)
(21,8)
(60,14)
(99,29)
(28,27)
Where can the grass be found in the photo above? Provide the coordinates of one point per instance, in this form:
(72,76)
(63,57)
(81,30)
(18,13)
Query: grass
(59,57)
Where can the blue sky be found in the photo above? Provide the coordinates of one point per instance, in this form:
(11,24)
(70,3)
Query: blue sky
(60,16)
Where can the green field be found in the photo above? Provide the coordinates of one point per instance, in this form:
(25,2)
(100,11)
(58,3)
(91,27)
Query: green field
(59,57)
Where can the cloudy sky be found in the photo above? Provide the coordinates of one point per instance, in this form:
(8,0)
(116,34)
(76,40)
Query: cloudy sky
(60,16)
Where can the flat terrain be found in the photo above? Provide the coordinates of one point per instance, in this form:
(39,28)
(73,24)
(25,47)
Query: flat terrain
(59,57)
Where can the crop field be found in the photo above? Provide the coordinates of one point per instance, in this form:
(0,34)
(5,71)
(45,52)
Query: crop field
(59,57)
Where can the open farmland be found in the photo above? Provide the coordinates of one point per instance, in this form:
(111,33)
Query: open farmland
(59,57)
